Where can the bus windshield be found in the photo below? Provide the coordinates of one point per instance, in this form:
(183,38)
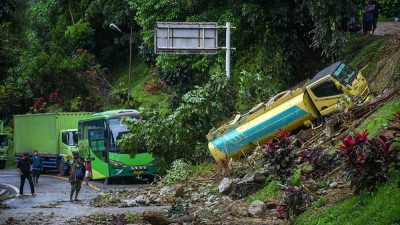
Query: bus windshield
(117,129)
(344,74)
(3,140)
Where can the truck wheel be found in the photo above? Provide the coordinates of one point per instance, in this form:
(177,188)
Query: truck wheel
(61,165)
(107,181)
(2,165)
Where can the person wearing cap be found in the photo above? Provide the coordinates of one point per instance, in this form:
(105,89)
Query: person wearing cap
(77,174)
(24,168)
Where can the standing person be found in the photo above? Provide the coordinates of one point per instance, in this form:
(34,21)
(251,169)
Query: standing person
(376,12)
(24,167)
(37,165)
(368,17)
(88,173)
(77,174)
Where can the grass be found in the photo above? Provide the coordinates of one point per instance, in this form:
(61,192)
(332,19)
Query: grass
(141,75)
(381,118)
(363,51)
(271,190)
(381,207)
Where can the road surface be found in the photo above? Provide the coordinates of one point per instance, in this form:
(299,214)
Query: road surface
(51,204)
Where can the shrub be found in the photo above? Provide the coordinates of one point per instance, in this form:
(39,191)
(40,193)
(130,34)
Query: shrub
(280,156)
(367,161)
(295,201)
(320,162)
(180,171)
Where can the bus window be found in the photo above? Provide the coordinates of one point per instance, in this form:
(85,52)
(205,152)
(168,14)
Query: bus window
(94,124)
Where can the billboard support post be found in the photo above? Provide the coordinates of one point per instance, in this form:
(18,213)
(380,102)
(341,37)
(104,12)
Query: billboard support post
(228,51)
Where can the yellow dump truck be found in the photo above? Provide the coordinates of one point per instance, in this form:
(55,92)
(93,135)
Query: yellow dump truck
(287,110)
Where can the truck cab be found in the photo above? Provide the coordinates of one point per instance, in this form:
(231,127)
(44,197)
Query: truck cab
(332,84)
(68,144)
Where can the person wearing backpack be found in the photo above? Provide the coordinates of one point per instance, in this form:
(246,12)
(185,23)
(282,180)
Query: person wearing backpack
(77,173)
(37,165)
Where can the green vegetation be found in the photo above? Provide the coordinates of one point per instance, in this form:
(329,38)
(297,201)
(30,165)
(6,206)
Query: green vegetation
(272,189)
(321,202)
(380,207)
(380,119)
(361,52)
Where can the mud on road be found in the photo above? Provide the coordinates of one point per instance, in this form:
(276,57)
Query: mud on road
(51,204)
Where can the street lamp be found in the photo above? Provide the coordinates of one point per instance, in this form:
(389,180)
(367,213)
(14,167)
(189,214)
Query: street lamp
(115,27)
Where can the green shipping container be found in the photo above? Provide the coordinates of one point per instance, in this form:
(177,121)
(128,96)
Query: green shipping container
(41,131)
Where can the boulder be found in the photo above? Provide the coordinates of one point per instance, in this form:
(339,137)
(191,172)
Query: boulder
(225,186)
(333,185)
(238,209)
(256,208)
(142,200)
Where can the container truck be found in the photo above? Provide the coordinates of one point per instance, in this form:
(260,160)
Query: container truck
(288,110)
(98,141)
(3,146)
(54,135)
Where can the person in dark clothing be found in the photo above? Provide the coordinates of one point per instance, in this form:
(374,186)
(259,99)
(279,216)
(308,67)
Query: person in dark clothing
(24,167)
(368,17)
(376,12)
(77,174)
(36,167)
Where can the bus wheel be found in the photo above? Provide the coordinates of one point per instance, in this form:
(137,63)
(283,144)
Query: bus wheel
(107,181)
(2,164)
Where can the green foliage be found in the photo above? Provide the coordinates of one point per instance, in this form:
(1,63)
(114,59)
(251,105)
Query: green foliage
(272,189)
(296,178)
(179,172)
(321,202)
(181,134)
(381,118)
(380,207)
(390,8)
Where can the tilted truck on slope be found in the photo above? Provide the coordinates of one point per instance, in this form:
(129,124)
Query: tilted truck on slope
(287,110)
(54,135)
(3,146)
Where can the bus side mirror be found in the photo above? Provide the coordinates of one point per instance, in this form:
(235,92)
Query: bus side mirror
(338,85)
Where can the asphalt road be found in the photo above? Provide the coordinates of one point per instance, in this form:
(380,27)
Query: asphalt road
(51,204)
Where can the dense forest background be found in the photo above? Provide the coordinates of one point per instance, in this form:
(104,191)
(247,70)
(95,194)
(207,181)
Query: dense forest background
(61,55)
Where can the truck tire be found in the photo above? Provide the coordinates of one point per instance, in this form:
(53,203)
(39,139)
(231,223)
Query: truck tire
(2,164)
(61,165)
(107,180)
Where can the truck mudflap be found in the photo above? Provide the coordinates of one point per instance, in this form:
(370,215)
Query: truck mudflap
(241,140)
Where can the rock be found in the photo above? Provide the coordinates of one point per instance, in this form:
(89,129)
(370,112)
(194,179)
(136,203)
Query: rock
(270,203)
(165,191)
(142,200)
(179,191)
(259,178)
(256,208)
(245,187)
(321,191)
(225,186)
(195,197)
(238,209)
(333,185)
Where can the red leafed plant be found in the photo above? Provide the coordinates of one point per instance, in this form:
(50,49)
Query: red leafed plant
(38,103)
(279,154)
(367,161)
(152,87)
(295,201)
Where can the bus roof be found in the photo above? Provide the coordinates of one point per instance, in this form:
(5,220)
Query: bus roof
(114,113)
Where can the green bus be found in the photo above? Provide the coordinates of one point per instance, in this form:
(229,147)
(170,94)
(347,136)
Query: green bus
(97,140)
